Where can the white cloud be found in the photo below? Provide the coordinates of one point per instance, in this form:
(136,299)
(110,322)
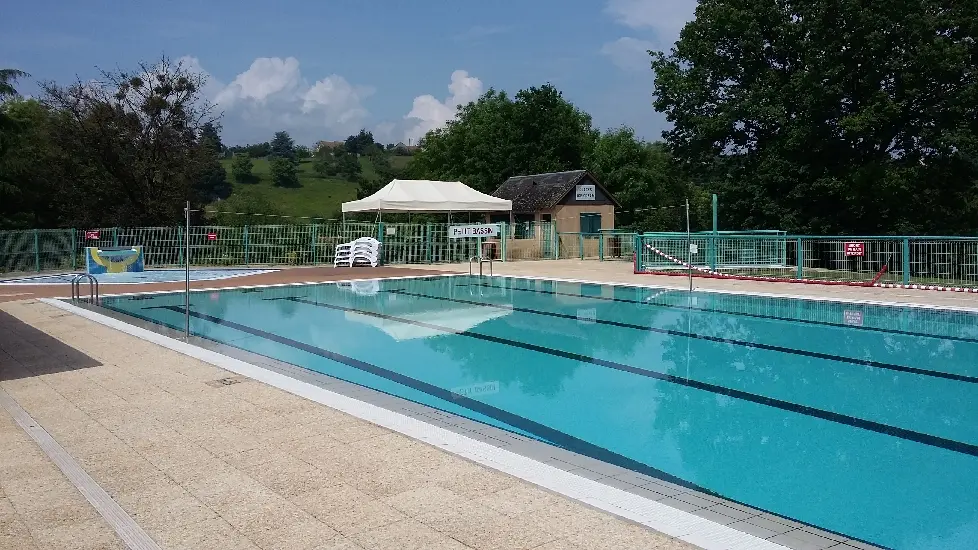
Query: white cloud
(662,19)
(665,17)
(630,54)
(272,94)
(428,113)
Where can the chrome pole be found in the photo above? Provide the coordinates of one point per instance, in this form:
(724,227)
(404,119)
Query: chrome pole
(186,258)
(689,250)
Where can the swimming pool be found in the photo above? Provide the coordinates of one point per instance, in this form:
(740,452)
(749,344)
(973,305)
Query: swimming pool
(148,276)
(856,418)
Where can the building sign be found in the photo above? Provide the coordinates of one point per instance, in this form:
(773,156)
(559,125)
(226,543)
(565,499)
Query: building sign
(852,318)
(855,249)
(477,230)
(585,193)
(91,235)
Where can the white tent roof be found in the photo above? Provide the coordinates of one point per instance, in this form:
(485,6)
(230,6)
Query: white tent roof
(458,319)
(428,196)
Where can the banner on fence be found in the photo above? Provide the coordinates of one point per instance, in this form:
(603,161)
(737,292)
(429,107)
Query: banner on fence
(855,249)
(91,235)
(475,230)
(212,236)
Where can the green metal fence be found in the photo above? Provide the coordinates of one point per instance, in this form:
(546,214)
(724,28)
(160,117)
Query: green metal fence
(291,244)
(945,261)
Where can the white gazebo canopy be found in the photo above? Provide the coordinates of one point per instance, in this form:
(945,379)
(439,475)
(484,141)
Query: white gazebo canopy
(428,196)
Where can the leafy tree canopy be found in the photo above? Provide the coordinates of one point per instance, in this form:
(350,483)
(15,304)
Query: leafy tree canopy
(827,117)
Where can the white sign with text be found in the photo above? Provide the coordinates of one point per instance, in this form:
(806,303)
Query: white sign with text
(585,193)
(479,230)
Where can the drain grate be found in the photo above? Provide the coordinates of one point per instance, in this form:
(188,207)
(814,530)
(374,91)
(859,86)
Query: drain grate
(229,381)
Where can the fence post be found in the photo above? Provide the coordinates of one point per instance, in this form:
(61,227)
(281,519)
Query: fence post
(638,253)
(906,261)
(245,238)
(380,237)
(314,231)
(74,249)
(115,236)
(180,240)
(503,237)
(601,247)
(580,244)
(556,240)
(37,251)
(427,242)
(800,254)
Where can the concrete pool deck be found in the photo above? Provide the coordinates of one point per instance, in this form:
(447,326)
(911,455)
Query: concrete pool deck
(197,457)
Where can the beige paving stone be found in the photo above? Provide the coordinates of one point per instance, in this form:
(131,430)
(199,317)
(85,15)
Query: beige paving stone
(407,534)
(472,480)
(14,534)
(82,535)
(346,509)
(520,499)
(212,533)
(278,525)
(614,534)
(425,500)
(356,430)
(339,542)
(161,507)
(288,476)
(560,544)
(233,494)
(311,449)
(485,529)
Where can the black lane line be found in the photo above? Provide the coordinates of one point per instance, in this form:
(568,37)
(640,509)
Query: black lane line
(718,339)
(558,437)
(741,314)
(885,429)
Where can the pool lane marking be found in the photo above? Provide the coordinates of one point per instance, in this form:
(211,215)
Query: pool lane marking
(878,427)
(553,435)
(737,313)
(717,339)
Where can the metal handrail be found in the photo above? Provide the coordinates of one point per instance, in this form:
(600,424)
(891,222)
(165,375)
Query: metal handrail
(93,293)
(481,261)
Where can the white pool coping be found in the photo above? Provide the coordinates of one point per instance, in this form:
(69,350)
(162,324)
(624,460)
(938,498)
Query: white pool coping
(676,523)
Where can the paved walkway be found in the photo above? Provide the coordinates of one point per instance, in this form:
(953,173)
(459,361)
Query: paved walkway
(204,465)
(622,272)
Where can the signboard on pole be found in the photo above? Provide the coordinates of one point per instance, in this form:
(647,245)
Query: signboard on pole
(476,230)
(855,249)
(585,192)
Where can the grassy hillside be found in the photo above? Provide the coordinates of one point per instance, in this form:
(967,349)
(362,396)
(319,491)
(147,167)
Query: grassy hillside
(317,197)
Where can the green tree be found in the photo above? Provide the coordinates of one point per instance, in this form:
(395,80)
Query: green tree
(241,167)
(358,144)
(213,182)
(31,168)
(302,152)
(828,117)
(131,143)
(646,181)
(282,146)
(285,172)
(497,137)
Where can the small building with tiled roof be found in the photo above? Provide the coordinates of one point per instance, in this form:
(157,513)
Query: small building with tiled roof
(574,200)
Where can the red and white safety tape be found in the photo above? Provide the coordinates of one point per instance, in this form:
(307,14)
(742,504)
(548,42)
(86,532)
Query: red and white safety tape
(717,274)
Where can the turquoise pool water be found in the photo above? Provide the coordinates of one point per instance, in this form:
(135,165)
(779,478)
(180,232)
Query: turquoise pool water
(854,418)
(148,276)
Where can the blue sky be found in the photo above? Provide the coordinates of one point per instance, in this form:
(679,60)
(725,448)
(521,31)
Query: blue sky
(323,69)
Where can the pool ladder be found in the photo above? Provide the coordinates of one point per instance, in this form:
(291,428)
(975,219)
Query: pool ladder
(481,261)
(93,297)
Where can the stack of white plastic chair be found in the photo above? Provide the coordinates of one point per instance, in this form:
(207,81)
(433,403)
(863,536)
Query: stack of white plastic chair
(365,250)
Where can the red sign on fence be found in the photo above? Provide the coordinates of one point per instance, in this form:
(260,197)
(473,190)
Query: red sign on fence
(855,249)
(212,236)
(91,235)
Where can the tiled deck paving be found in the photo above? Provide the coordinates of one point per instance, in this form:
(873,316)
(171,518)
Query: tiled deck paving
(203,465)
